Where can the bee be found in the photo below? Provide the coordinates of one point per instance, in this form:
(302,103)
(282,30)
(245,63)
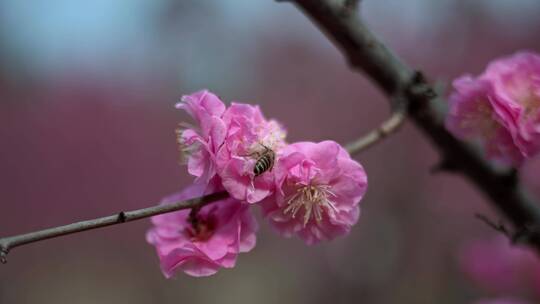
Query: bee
(265,161)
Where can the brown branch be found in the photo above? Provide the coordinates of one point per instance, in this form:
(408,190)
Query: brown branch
(8,243)
(366,53)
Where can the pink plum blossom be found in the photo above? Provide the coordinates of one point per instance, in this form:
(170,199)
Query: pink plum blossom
(200,246)
(319,188)
(472,115)
(500,108)
(516,81)
(228,142)
(497,265)
(249,136)
(200,144)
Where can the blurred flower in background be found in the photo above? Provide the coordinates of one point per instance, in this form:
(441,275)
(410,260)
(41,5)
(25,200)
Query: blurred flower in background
(500,108)
(500,267)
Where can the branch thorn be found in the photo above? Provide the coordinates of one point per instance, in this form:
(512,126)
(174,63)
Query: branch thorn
(500,227)
(419,87)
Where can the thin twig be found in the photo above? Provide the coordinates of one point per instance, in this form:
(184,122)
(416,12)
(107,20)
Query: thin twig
(522,235)
(388,127)
(365,52)
(8,243)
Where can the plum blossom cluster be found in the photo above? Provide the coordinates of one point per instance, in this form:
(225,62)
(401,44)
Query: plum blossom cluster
(308,189)
(500,108)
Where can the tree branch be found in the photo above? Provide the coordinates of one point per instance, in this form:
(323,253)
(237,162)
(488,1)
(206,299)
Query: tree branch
(366,53)
(8,243)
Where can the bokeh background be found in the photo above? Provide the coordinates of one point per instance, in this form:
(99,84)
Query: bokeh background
(87,119)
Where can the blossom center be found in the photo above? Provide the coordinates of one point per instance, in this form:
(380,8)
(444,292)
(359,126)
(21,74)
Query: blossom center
(313,199)
(270,136)
(200,229)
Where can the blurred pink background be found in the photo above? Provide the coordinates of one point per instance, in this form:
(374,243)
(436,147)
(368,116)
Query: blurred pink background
(87,119)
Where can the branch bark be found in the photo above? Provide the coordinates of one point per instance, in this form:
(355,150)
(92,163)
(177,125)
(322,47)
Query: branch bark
(366,53)
(8,243)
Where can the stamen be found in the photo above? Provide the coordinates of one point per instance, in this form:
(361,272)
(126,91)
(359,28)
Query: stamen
(314,200)
(307,215)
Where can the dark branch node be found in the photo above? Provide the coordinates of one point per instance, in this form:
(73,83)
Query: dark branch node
(419,88)
(122,217)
